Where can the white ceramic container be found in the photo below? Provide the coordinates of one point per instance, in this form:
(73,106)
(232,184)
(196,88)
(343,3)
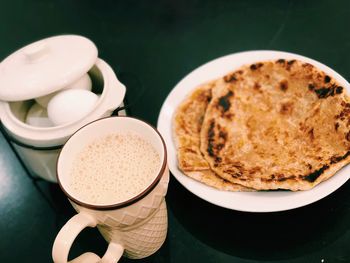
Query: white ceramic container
(42,68)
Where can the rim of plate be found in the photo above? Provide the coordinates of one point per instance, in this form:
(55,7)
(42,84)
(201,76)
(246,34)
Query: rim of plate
(272,201)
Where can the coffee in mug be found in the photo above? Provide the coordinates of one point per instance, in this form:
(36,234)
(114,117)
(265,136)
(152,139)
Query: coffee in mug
(114,168)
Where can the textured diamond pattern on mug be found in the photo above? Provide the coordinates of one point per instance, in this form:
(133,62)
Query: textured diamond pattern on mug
(129,219)
(149,237)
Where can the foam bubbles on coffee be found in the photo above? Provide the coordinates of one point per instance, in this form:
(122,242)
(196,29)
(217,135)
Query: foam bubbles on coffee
(113,169)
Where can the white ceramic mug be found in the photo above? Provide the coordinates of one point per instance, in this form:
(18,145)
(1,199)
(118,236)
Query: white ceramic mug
(137,227)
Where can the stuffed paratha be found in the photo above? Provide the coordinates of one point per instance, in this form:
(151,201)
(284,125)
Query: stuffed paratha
(277,125)
(187,124)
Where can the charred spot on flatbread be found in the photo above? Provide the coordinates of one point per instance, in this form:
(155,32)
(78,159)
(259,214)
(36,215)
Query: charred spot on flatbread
(311,177)
(284,85)
(230,78)
(217,138)
(224,103)
(256,66)
(327,79)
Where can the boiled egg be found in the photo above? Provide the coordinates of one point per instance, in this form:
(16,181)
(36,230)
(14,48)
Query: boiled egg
(37,116)
(71,105)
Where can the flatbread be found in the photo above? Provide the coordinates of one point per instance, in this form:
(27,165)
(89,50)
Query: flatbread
(277,125)
(187,124)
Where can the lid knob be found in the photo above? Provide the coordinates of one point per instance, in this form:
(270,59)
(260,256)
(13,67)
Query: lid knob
(35,51)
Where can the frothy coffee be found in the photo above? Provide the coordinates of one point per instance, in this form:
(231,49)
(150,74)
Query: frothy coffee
(113,169)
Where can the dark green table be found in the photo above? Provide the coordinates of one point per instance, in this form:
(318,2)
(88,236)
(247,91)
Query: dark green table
(153,45)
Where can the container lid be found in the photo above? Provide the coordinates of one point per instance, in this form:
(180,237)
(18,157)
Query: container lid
(45,66)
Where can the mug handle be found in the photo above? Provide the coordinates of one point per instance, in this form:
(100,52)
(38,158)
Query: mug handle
(70,231)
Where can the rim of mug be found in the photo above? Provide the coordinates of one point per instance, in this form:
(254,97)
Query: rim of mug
(130,201)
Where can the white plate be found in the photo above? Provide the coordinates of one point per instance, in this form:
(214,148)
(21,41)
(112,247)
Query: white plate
(243,201)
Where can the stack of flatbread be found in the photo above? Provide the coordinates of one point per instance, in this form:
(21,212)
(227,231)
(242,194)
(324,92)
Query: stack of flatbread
(280,124)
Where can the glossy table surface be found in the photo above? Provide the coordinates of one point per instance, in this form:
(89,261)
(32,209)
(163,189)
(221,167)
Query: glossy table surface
(151,45)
